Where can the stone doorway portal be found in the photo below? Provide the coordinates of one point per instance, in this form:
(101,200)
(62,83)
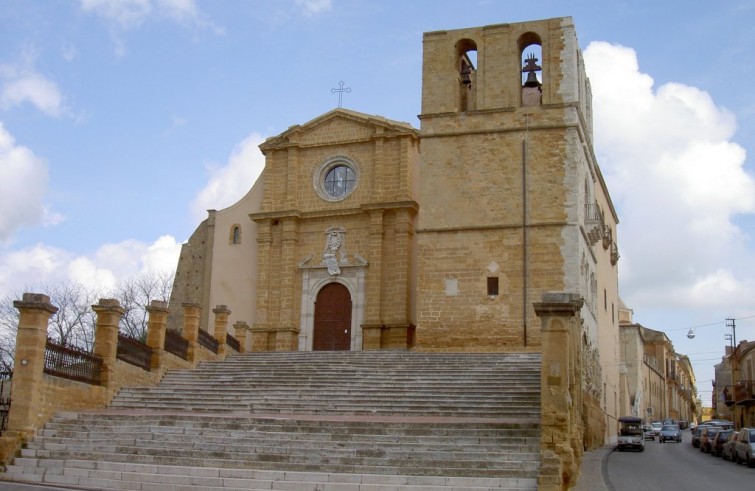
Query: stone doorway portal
(332,326)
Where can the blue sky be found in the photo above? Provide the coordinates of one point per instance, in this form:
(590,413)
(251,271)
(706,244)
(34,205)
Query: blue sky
(122,121)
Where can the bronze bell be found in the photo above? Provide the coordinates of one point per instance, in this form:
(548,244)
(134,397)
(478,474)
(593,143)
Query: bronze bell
(532,80)
(465,71)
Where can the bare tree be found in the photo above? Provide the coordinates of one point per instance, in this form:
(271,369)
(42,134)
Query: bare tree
(135,295)
(75,321)
(71,325)
(8,329)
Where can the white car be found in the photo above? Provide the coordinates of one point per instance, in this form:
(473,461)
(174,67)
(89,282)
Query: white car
(657,425)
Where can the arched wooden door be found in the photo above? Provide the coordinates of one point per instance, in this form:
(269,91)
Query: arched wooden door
(332,329)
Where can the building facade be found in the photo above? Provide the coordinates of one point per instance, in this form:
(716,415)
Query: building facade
(366,233)
(660,382)
(734,385)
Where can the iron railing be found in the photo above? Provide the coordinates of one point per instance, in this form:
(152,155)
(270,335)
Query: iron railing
(208,341)
(72,363)
(134,352)
(233,343)
(176,344)
(5,400)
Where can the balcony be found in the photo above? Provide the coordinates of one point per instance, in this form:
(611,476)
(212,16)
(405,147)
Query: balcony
(729,394)
(594,222)
(744,393)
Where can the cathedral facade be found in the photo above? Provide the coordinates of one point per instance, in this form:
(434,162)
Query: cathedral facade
(367,233)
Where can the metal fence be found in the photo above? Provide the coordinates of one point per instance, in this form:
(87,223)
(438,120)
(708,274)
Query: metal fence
(134,352)
(72,363)
(208,341)
(233,343)
(176,344)
(5,386)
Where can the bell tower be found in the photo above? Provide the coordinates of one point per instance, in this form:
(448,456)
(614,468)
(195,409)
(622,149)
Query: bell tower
(506,147)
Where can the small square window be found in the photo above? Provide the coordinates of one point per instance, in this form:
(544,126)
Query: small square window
(492,286)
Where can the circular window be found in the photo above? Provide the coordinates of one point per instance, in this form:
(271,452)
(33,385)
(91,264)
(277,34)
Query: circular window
(336,179)
(339,181)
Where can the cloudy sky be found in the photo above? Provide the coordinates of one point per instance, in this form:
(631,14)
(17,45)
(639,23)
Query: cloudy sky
(121,122)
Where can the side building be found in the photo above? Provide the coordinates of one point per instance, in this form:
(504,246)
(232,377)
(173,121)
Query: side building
(660,381)
(734,385)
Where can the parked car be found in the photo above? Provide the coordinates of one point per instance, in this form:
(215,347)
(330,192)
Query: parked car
(729,448)
(721,423)
(648,432)
(716,448)
(745,448)
(696,435)
(657,425)
(706,438)
(670,433)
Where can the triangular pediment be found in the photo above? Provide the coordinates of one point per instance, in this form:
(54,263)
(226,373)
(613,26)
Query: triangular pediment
(338,126)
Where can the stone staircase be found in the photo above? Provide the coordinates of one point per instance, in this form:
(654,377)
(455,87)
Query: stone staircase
(322,421)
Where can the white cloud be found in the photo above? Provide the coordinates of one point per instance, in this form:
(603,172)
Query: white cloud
(230,183)
(23,186)
(45,265)
(131,14)
(127,14)
(36,265)
(20,83)
(312,7)
(678,181)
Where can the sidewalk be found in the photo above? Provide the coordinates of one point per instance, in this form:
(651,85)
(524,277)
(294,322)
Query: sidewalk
(591,472)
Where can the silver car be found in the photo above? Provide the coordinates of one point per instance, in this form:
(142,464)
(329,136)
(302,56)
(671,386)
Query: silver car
(745,449)
(728,450)
(670,433)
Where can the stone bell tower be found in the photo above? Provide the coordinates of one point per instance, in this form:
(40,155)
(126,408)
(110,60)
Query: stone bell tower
(506,171)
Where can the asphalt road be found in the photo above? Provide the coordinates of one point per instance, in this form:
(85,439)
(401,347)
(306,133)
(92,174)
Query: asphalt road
(672,466)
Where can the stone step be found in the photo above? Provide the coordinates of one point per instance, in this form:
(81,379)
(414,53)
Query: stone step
(125,476)
(364,421)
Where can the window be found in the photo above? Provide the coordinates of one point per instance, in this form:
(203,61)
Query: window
(235,235)
(336,178)
(339,181)
(492,286)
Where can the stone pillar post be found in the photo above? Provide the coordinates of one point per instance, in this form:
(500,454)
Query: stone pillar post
(560,325)
(240,330)
(109,313)
(156,325)
(192,312)
(35,310)
(221,329)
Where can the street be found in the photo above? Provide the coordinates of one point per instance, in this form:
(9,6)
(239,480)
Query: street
(668,466)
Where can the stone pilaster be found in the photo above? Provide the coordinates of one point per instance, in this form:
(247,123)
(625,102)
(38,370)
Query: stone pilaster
(221,329)
(240,330)
(373,324)
(34,314)
(156,325)
(287,336)
(560,335)
(261,328)
(192,313)
(109,313)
